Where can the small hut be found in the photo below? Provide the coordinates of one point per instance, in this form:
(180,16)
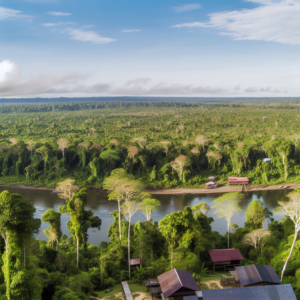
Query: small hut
(177,284)
(244,181)
(225,258)
(135,262)
(278,292)
(211,185)
(256,275)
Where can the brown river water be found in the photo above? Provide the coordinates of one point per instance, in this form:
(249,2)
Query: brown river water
(98,203)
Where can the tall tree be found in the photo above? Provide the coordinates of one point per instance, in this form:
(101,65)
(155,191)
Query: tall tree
(116,183)
(255,214)
(62,145)
(54,233)
(67,188)
(17,224)
(148,205)
(226,206)
(256,238)
(76,225)
(129,208)
(201,207)
(291,209)
(179,164)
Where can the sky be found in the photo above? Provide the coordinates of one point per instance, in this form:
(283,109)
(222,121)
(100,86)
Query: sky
(219,48)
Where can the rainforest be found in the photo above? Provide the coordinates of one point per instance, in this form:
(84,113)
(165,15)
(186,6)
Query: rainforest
(129,149)
(163,144)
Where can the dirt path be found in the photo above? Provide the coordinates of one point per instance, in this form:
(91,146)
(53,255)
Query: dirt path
(209,282)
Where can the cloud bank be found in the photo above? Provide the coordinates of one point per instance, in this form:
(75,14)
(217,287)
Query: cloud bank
(58,24)
(272,21)
(12,84)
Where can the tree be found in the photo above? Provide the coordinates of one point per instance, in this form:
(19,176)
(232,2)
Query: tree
(256,238)
(255,214)
(17,224)
(116,183)
(201,207)
(53,233)
(67,188)
(202,273)
(226,206)
(75,207)
(148,205)
(174,226)
(110,156)
(291,209)
(179,164)
(62,145)
(129,208)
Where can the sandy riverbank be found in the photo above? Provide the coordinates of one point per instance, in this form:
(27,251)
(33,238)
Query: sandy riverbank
(224,189)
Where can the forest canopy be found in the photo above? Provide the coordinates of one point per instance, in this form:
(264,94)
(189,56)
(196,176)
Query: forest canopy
(162,143)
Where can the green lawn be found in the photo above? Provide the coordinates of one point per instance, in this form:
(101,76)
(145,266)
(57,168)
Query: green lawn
(116,289)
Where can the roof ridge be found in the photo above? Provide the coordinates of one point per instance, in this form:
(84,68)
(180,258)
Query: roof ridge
(178,276)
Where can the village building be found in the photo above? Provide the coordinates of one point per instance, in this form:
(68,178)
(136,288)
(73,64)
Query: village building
(176,284)
(255,275)
(226,259)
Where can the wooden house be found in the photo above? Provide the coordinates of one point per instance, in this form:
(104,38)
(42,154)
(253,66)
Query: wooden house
(244,181)
(226,259)
(176,284)
(256,275)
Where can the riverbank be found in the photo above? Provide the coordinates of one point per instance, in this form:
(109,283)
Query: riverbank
(219,190)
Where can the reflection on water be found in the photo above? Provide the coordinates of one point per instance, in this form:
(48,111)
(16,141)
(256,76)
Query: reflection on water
(98,203)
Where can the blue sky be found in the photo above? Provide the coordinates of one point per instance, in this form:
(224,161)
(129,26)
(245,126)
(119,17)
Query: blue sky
(214,48)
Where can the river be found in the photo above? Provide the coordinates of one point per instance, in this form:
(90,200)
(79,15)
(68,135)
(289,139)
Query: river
(98,203)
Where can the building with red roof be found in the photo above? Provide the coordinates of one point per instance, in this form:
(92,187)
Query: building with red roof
(226,258)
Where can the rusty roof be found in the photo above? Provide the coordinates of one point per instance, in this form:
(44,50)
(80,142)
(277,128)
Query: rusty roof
(269,292)
(135,261)
(225,255)
(173,280)
(254,274)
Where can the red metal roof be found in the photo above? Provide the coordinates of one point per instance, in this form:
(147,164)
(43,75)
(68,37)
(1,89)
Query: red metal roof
(173,280)
(238,180)
(225,255)
(135,261)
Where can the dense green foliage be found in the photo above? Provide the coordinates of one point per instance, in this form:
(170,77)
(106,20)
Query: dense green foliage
(181,240)
(164,144)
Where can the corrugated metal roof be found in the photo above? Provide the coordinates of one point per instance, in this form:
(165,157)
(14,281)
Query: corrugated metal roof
(225,254)
(173,280)
(254,274)
(135,261)
(270,292)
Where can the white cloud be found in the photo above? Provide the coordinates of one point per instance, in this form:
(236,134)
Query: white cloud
(87,36)
(58,24)
(131,30)
(273,20)
(10,14)
(186,7)
(58,14)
